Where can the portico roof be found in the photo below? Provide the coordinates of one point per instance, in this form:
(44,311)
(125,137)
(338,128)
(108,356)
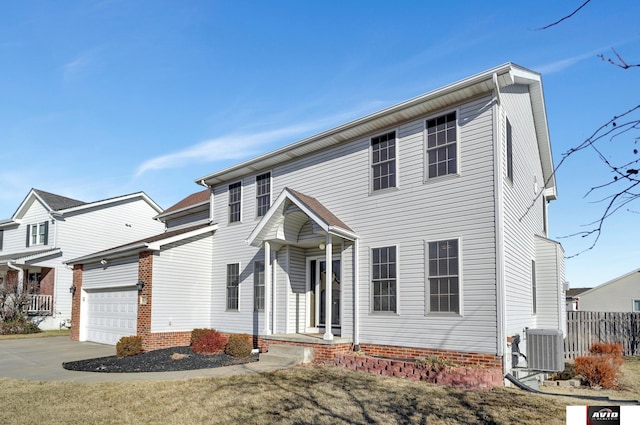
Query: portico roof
(272,223)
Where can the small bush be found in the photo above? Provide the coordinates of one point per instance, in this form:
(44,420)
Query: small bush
(198,332)
(18,327)
(239,345)
(129,346)
(606,349)
(433,362)
(212,342)
(597,371)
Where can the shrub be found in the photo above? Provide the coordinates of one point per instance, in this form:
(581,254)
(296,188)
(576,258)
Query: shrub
(129,346)
(602,368)
(18,326)
(198,332)
(433,362)
(239,345)
(211,342)
(606,349)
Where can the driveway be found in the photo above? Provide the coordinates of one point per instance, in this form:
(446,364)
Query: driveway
(40,359)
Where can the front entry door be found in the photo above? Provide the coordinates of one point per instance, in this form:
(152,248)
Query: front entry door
(318,287)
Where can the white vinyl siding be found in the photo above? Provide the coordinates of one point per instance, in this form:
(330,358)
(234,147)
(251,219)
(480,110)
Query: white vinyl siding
(551,311)
(413,213)
(297,300)
(182,285)
(616,295)
(189,220)
(117,273)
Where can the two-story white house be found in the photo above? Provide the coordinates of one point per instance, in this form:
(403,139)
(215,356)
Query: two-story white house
(48,229)
(419,229)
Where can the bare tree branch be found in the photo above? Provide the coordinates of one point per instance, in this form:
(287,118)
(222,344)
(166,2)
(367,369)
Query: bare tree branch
(564,18)
(621,63)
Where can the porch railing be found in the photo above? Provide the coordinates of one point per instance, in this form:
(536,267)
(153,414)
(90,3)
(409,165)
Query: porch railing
(40,304)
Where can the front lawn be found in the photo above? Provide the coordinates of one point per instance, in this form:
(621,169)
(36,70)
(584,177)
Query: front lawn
(304,394)
(43,334)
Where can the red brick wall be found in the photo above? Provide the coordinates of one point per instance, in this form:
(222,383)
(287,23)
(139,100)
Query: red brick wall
(75,302)
(145,274)
(322,353)
(460,358)
(461,377)
(47,280)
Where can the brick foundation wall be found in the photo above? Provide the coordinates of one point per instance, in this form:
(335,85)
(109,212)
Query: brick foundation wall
(459,358)
(462,377)
(75,302)
(158,340)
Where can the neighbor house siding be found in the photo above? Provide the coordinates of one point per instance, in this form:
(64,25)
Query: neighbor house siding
(617,296)
(455,206)
(522,209)
(182,285)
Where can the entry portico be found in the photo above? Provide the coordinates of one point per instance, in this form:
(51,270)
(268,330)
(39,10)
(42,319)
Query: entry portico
(300,221)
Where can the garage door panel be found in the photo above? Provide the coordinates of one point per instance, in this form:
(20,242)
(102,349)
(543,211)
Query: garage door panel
(112,314)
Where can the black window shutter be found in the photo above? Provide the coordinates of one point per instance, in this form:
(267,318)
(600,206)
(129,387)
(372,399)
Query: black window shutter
(28,230)
(46,233)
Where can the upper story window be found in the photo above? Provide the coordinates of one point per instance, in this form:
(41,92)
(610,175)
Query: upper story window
(263,194)
(383,160)
(37,234)
(235,202)
(509,152)
(384,279)
(442,150)
(444,277)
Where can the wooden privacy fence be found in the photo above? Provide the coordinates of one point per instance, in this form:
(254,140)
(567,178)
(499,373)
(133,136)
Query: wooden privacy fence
(587,327)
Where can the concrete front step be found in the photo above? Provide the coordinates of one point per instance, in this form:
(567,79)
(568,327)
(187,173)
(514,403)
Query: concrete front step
(293,353)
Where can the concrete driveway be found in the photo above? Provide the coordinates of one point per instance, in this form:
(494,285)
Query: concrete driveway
(40,359)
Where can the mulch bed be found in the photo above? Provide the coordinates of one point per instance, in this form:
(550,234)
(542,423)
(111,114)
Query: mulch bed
(162,360)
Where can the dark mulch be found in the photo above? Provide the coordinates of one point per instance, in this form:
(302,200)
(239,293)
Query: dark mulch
(157,361)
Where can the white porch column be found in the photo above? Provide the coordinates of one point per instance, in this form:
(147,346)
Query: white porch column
(328,288)
(267,286)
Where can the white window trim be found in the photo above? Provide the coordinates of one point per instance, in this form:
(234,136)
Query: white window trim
(633,305)
(397,160)
(39,239)
(226,295)
(255,182)
(241,203)
(427,292)
(372,312)
(425,161)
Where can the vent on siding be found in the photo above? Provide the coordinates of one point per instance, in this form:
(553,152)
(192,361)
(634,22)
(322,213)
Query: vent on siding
(545,350)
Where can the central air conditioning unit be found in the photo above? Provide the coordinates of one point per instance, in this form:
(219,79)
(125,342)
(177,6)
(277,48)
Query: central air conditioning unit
(545,350)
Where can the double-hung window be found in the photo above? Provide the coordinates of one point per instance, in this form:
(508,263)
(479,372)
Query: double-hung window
(444,277)
(258,286)
(235,202)
(37,234)
(442,149)
(383,161)
(636,306)
(384,279)
(233,284)
(263,194)
(534,289)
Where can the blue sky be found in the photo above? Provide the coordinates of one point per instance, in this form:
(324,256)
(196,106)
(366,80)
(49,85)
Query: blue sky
(103,98)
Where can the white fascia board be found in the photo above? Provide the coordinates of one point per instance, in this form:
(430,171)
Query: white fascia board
(109,254)
(24,205)
(267,218)
(113,200)
(338,231)
(155,246)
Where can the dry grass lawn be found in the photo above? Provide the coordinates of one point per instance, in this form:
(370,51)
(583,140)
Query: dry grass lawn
(43,334)
(304,394)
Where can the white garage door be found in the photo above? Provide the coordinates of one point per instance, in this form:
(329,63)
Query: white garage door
(112,314)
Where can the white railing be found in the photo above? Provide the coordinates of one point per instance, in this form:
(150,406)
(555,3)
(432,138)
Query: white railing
(40,304)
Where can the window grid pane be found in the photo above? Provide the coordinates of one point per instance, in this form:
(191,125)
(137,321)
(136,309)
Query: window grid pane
(258,286)
(384,279)
(383,161)
(263,193)
(509,152)
(444,285)
(441,146)
(235,197)
(233,275)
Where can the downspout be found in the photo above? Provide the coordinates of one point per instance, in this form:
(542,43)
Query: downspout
(20,276)
(356,295)
(499,233)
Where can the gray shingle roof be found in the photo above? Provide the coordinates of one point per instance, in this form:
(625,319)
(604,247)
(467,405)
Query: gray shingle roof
(57,202)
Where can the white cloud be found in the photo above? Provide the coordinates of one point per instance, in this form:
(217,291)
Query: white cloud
(76,67)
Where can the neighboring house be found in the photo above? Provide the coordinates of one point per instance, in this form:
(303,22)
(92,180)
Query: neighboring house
(47,229)
(621,294)
(429,218)
(573,298)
